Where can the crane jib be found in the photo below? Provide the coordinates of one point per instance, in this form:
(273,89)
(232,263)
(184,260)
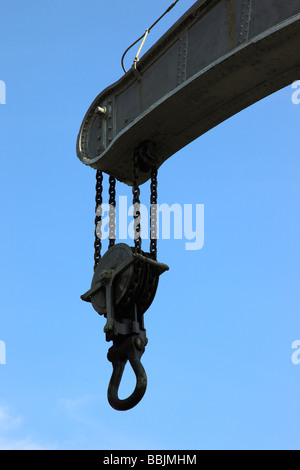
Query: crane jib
(219,58)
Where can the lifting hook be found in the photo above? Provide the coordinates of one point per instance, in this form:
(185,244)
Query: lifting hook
(131,349)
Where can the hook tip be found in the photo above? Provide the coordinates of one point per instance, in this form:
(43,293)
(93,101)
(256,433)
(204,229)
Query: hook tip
(113,388)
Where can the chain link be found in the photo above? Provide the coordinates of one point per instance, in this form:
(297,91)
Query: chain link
(112,211)
(136,207)
(98,219)
(153,213)
(136,212)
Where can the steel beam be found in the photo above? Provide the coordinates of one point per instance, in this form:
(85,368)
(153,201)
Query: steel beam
(219,58)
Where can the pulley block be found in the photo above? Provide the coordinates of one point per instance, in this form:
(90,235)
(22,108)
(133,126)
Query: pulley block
(123,288)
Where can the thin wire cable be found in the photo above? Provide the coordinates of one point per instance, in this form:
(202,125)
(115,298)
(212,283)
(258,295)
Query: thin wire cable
(147,32)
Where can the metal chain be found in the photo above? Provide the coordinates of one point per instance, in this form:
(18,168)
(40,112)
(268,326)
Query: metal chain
(98,219)
(153,213)
(136,212)
(136,207)
(112,211)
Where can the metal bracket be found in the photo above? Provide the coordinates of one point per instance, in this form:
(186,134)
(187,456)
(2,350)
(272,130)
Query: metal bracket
(146,156)
(136,71)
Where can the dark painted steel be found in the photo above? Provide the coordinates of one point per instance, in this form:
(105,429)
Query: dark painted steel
(219,58)
(123,288)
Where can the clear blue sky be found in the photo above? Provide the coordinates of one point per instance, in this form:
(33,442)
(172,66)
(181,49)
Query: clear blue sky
(221,327)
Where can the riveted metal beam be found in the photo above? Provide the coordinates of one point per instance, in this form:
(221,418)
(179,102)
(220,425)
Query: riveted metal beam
(219,58)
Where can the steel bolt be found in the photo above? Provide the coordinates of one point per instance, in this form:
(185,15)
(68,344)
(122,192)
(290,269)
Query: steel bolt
(139,344)
(100,110)
(105,276)
(108,328)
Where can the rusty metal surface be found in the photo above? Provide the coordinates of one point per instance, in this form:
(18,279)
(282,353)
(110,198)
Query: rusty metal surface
(219,58)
